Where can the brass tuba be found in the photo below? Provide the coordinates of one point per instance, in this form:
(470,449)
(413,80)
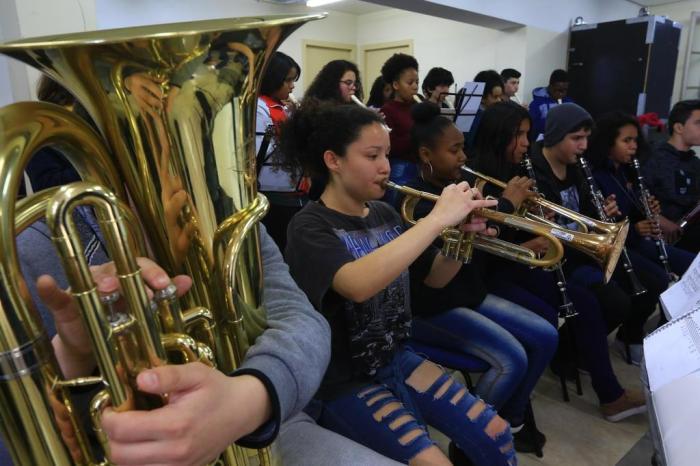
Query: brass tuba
(174,106)
(602,241)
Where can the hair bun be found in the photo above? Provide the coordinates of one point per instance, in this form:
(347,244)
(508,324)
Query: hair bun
(424,112)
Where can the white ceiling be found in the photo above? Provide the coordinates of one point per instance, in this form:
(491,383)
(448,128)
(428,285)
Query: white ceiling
(355,7)
(652,2)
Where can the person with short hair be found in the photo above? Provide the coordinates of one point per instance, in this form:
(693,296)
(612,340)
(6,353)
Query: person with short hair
(511,84)
(436,84)
(544,98)
(673,173)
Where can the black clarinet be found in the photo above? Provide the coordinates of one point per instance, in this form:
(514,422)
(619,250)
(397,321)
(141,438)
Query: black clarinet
(599,203)
(566,309)
(644,196)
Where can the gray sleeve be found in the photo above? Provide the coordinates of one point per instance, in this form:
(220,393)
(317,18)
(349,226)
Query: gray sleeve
(294,350)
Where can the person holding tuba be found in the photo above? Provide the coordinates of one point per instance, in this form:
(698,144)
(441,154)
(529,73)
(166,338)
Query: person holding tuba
(261,401)
(463,316)
(349,253)
(501,146)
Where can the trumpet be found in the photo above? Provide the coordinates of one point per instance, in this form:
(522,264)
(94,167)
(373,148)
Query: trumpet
(602,241)
(459,245)
(417,98)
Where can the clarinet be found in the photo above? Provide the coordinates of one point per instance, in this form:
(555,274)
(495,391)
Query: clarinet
(599,203)
(644,195)
(566,309)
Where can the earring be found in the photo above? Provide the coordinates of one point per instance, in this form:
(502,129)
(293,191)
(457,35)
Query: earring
(431,170)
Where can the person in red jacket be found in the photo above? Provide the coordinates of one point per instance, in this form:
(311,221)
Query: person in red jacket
(401,71)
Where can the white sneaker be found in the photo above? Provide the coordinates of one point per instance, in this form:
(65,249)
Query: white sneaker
(636,352)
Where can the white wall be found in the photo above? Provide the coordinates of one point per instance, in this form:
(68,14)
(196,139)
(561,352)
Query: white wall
(22,19)
(337,27)
(680,12)
(466,49)
(552,15)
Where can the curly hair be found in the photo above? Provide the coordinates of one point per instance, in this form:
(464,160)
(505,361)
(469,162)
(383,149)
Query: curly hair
(320,126)
(326,84)
(397,64)
(606,130)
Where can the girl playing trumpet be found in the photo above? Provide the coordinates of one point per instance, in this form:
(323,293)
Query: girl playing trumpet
(349,253)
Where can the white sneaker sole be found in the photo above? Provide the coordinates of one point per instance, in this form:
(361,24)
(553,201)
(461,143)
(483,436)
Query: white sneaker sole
(627,413)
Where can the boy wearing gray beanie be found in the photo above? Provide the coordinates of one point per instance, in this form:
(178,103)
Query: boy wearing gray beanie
(554,161)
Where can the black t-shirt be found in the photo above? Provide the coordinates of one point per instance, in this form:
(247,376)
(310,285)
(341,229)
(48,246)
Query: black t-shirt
(466,289)
(364,336)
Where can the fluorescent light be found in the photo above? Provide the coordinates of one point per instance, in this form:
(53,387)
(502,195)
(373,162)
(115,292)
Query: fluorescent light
(313,3)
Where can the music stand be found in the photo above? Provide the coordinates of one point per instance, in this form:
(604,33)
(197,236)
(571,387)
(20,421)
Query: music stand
(467,102)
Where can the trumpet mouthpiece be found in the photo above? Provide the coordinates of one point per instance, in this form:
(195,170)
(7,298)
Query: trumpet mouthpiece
(417,98)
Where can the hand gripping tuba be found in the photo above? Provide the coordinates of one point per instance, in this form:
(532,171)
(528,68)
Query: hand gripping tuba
(175,109)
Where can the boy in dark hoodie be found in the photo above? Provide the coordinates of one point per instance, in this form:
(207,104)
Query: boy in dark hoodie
(673,174)
(544,98)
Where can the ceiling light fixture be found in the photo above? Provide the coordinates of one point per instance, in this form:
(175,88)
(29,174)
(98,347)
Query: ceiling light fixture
(313,3)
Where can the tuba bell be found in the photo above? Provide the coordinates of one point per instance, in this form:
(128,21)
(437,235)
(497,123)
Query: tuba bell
(173,108)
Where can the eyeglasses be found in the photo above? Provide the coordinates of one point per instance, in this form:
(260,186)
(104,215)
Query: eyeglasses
(349,83)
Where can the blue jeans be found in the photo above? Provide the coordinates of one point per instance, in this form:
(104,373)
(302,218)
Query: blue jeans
(678,259)
(515,342)
(536,290)
(387,414)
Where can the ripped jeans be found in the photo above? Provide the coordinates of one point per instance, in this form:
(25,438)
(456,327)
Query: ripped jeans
(390,415)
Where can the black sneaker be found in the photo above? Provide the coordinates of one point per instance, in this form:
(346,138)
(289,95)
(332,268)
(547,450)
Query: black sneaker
(457,456)
(529,440)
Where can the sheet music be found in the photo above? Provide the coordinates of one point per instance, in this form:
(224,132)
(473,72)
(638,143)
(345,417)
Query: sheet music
(673,351)
(677,410)
(468,99)
(684,295)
